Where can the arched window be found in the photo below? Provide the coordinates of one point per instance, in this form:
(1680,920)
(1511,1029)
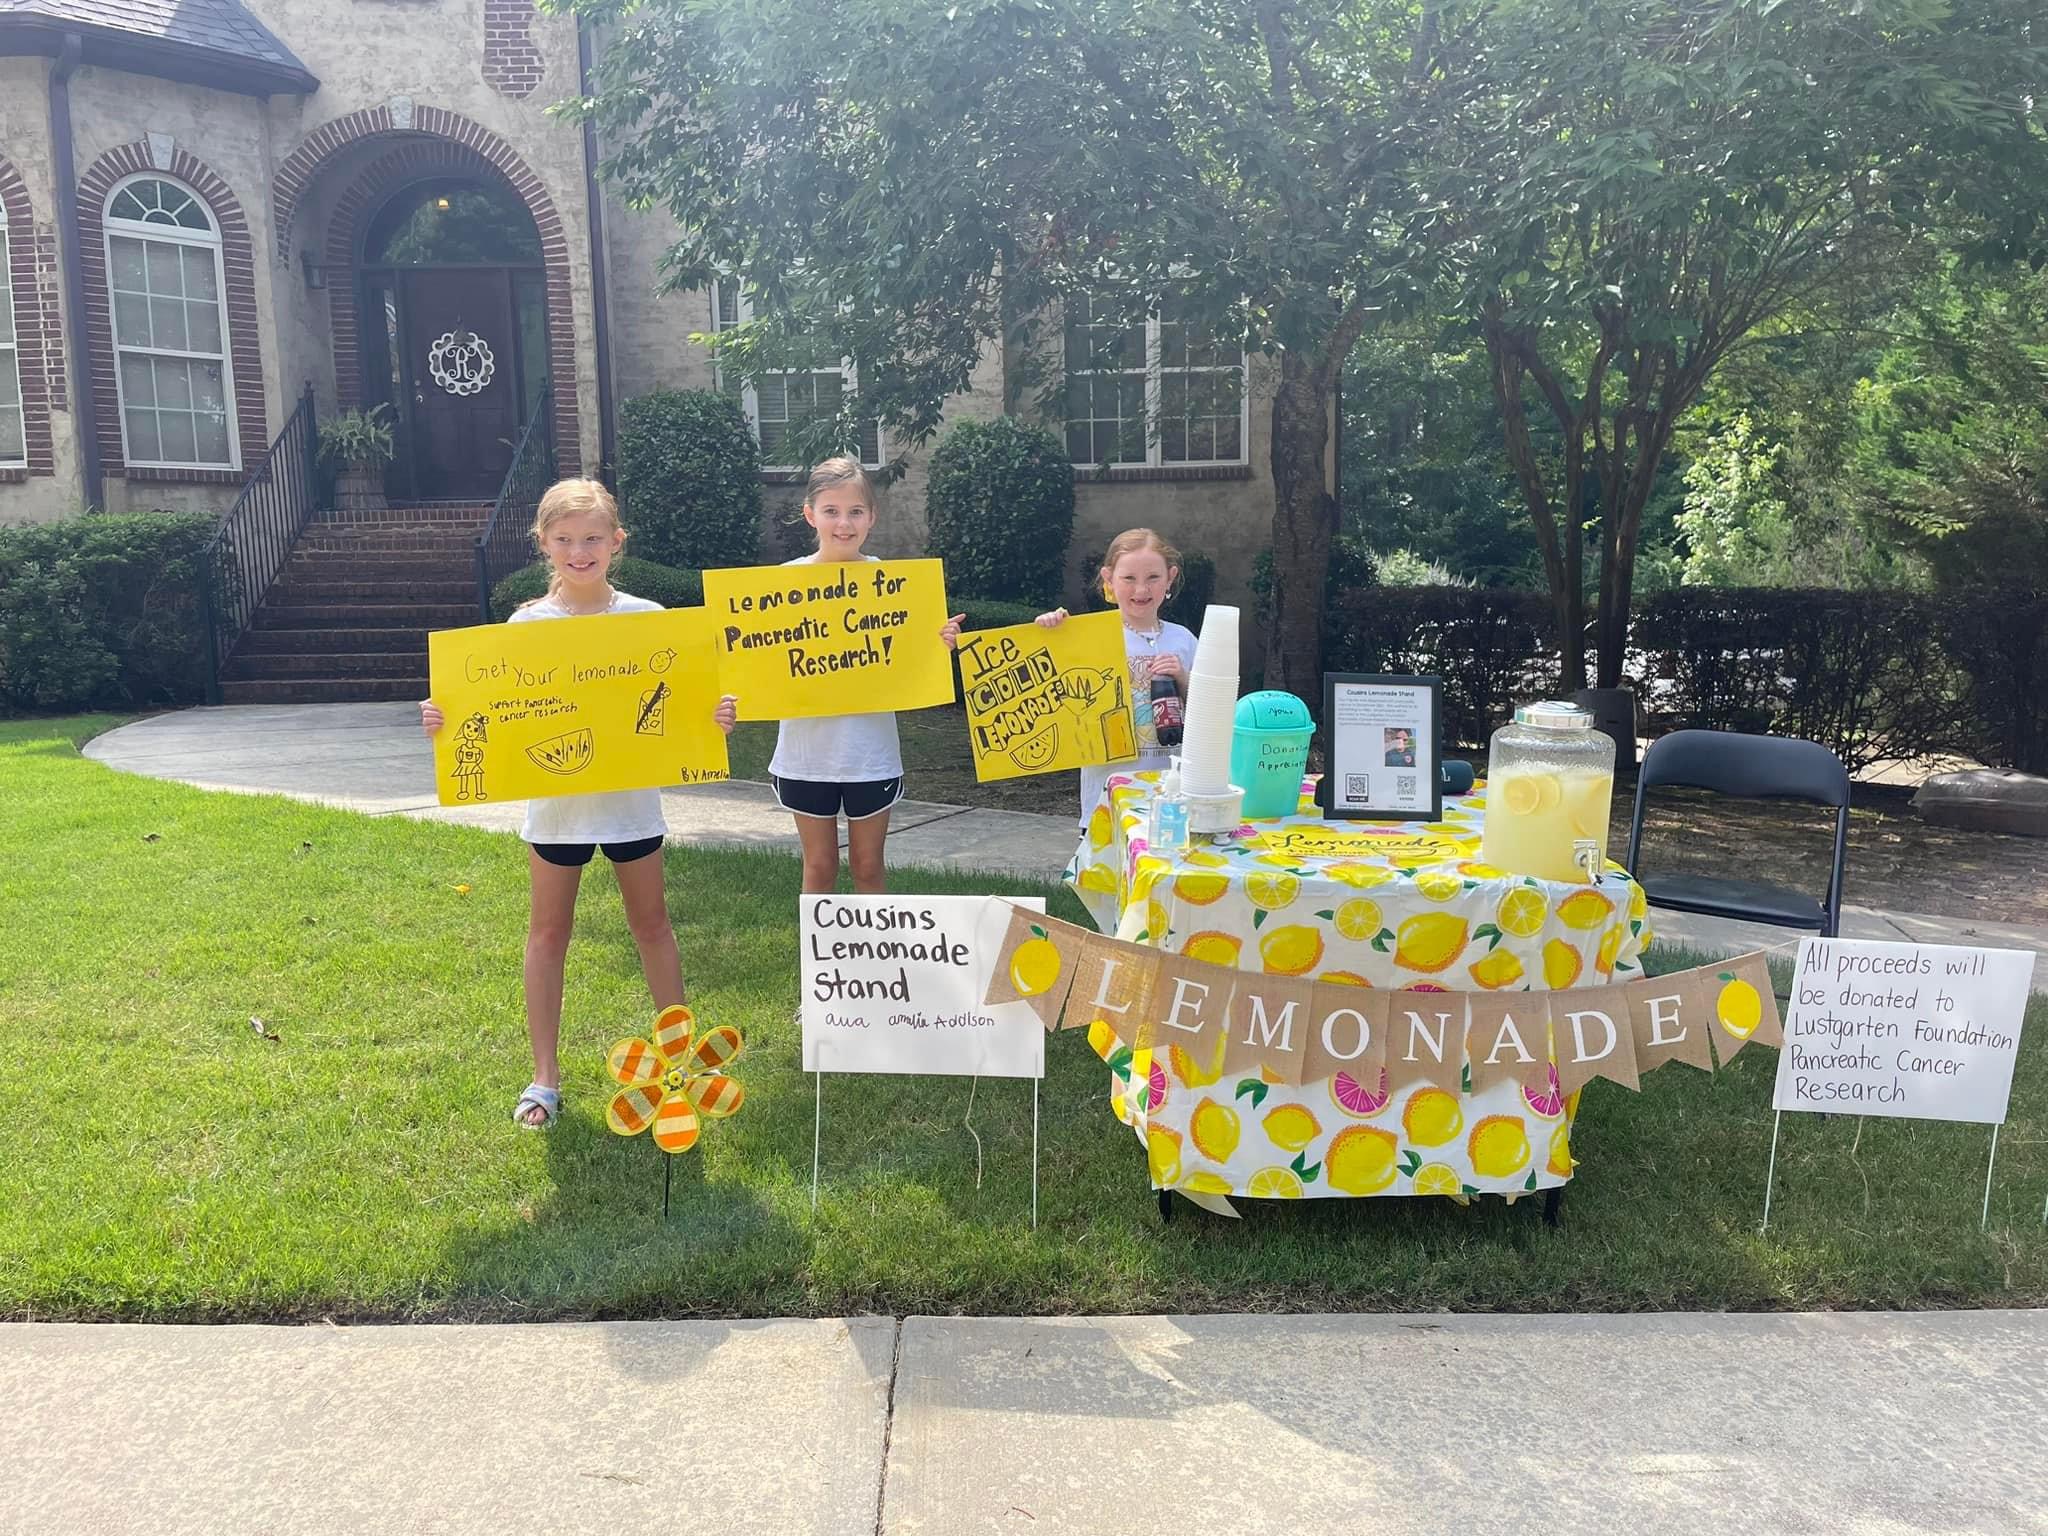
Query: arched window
(165,285)
(13,433)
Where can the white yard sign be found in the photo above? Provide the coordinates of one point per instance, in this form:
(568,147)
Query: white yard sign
(1925,1031)
(894,984)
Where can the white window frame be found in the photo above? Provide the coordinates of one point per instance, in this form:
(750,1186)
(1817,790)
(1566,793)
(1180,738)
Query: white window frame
(171,234)
(11,347)
(1155,387)
(750,400)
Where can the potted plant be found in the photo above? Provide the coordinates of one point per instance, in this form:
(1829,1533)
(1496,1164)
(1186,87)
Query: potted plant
(359,444)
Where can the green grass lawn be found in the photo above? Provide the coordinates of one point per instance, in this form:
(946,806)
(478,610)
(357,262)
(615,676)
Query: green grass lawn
(936,766)
(165,1160)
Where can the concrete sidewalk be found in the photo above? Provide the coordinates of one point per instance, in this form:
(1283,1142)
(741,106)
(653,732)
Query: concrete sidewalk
(372,758)
(1880,1424)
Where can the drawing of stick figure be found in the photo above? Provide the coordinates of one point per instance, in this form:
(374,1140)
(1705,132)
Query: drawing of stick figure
(469,759)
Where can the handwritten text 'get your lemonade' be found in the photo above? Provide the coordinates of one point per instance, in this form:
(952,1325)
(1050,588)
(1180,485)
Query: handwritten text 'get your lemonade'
(810,630)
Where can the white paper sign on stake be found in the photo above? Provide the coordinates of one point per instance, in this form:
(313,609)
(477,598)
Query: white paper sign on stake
(895,984)
(1923,1031)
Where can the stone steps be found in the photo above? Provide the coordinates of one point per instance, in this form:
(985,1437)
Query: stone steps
(348,617)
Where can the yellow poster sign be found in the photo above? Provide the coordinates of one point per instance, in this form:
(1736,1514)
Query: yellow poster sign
(1039,700)
(576,706)
(839,637)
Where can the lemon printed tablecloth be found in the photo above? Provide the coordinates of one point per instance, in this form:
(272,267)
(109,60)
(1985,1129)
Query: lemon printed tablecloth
(1374,904)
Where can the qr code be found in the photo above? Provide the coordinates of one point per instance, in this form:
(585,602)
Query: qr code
(1404,785)
(1358,786)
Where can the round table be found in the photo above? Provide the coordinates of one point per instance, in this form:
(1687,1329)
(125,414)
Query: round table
(1374,904)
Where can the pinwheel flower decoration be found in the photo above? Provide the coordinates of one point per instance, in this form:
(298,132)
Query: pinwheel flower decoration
(673,1082)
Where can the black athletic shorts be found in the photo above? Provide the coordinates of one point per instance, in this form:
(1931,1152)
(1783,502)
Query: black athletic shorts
(816,797)
(576,855)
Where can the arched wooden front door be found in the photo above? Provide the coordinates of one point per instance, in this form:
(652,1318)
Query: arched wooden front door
(454,307)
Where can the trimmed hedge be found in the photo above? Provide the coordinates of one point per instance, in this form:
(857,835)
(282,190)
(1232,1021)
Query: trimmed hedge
(1870,675)
(999,509)
(1867,674)
(1491,647)
(690,479)
(104,612)
(662,584)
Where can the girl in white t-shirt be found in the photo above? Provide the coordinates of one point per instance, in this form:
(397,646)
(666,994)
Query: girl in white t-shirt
(835,764)
(1139,573)
(577,529)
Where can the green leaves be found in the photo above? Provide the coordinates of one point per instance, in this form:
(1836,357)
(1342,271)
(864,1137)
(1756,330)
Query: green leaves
(1253,1088)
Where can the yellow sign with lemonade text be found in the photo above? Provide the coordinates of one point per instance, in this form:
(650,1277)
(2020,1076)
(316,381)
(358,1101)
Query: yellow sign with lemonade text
(1039,700)
(1331,843)
(576,706)
(838,637)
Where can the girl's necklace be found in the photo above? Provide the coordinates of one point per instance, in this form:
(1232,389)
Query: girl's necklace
(611,596)
(1149,636)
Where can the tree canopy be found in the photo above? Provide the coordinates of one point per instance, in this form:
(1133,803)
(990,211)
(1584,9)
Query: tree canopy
(1608,197)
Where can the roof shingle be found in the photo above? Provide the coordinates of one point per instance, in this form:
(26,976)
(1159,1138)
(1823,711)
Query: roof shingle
(218,26)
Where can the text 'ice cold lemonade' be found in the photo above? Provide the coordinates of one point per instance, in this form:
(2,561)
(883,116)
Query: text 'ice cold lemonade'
(1549,787)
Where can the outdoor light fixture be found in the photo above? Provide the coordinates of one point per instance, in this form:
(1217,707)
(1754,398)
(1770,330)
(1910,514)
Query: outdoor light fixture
(316,275)
(441,203)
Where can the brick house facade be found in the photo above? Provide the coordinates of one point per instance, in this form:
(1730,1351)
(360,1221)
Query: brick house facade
(210,204)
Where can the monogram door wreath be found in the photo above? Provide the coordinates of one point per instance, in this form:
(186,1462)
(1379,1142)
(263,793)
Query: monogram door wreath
(460,361)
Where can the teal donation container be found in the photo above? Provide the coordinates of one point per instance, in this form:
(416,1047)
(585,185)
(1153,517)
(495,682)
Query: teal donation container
(1269,752)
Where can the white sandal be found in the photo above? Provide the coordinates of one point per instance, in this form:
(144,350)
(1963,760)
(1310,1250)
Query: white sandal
(547,1100)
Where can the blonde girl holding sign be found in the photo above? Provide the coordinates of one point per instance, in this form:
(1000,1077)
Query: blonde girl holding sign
(577,529)
(1139,573)
(842,764)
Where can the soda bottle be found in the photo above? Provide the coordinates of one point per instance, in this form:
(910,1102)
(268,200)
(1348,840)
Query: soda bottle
(1167,717)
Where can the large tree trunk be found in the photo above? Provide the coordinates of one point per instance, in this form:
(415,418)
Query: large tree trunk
(1304,523)
(1563,558)
(1621,522)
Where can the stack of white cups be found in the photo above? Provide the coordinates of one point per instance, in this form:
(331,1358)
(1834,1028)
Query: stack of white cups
(1211,716)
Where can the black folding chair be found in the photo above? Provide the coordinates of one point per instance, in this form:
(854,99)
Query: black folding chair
(1749,768)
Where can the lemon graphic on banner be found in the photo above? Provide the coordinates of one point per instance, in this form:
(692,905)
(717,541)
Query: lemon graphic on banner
(1035,966)
(1739,1007)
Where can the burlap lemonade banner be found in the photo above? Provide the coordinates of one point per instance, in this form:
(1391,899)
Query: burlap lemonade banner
(1307,1032)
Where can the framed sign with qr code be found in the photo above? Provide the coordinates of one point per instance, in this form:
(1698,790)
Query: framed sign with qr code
(1380,748)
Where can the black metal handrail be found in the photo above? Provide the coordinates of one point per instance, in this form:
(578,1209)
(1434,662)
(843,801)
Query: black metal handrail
(505,543)
(255,538)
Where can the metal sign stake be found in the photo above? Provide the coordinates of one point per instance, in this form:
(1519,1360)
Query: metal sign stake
(1776,1120)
